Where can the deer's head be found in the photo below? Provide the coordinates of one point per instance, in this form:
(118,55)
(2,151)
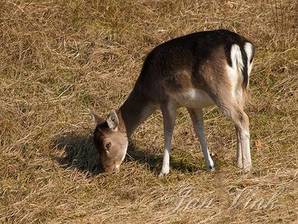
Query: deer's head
(111,142)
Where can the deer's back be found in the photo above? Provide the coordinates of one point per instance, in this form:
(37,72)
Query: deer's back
(188,66)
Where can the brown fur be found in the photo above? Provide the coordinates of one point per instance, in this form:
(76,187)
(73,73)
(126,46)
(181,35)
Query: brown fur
(190,71)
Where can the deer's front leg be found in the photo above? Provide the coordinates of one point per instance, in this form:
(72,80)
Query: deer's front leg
(169,116)
(198,125)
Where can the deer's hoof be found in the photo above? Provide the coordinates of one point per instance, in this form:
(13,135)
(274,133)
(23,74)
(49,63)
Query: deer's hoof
(211,168)
(163,174)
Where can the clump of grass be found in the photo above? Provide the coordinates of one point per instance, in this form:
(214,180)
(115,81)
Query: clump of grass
(60,59)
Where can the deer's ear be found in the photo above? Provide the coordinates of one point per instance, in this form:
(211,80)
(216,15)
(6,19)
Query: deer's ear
(97,119)
(113,120)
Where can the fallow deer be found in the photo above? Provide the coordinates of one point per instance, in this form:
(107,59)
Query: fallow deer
(194,71)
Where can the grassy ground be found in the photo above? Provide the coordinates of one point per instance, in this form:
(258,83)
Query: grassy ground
(60,59)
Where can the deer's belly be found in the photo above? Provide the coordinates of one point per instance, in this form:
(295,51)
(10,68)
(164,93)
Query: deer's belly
(192,98)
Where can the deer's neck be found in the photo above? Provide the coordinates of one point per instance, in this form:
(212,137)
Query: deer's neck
(136,109)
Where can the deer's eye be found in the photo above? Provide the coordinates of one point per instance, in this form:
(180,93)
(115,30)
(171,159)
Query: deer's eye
(108,146)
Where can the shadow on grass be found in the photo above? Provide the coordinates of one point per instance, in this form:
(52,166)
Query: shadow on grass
(154,161)
(79,153)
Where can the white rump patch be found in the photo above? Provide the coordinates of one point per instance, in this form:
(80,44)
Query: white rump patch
(234,72)
(236,57)
(248,48)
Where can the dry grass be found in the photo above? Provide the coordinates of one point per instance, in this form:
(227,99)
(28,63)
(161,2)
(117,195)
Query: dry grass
(58,59)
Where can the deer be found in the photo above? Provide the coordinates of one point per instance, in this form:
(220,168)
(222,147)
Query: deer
(194,71)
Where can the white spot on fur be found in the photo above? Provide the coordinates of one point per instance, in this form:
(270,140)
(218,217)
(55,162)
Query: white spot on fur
(191,93)
(192,98)
(124,154)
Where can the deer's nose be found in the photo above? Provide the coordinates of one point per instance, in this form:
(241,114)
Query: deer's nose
(112,169)
(117,168)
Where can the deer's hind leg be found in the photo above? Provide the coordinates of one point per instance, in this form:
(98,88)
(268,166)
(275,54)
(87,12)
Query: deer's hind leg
(229,97)
(235,111)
